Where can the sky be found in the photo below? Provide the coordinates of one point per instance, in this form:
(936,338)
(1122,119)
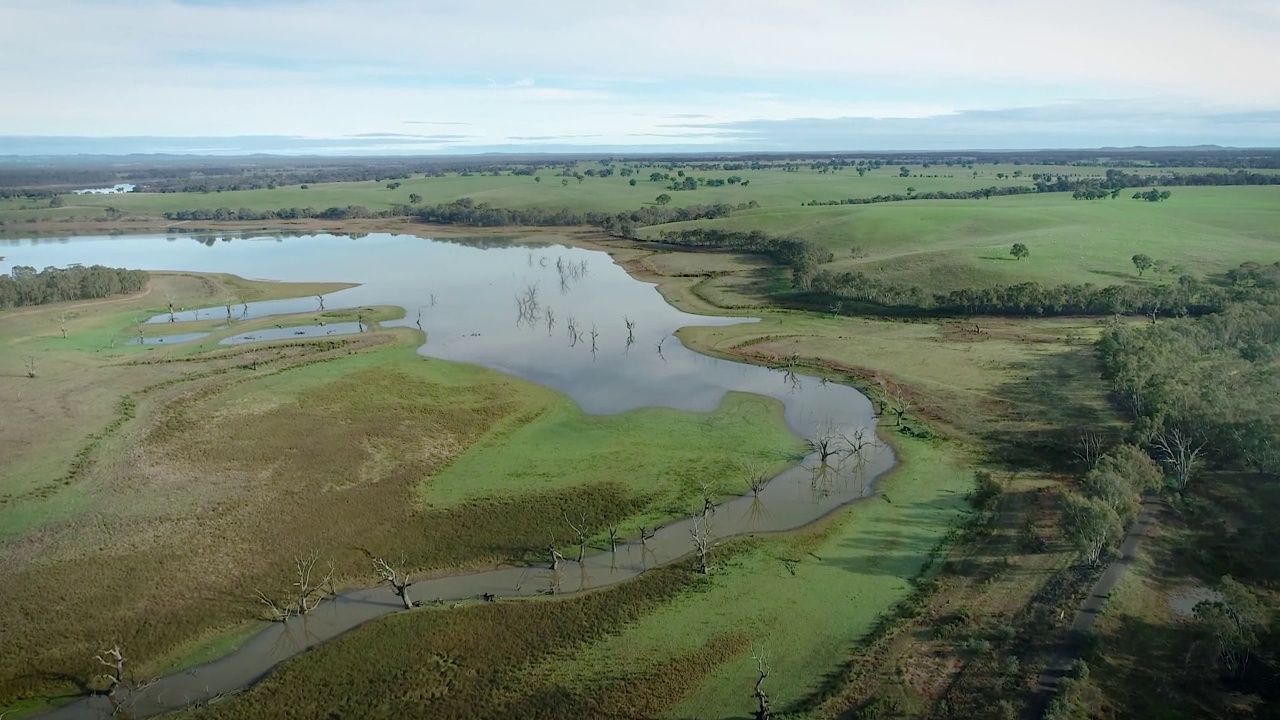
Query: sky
(437,76)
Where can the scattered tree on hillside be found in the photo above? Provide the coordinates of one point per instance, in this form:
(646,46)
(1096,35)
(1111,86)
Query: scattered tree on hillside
(632,182)
(415,199)
(56,201)
(398,581)
(1153,195)
(1090,525)
(1019,251)
(564,182)
(904,171)
(1143,263)
(393,186)
(537,178)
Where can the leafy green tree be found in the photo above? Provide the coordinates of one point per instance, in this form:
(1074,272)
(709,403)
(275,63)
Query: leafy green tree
(904,171)
(1090,525)
(537,178)
(632,182)
(1236,622)
(1019,251)
(56,201)
(662,199)
(564,182)
(746,183)
(657,176)
(1143,263)
(393,186)
(414,198)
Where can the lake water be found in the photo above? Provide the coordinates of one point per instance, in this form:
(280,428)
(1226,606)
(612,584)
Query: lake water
(113,190)
(509,307)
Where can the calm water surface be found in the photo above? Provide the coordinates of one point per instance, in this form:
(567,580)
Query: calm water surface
(468,297)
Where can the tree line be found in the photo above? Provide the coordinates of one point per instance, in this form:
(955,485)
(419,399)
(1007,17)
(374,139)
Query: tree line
(466,211)
(24,286)
(1202,388)
(978,194)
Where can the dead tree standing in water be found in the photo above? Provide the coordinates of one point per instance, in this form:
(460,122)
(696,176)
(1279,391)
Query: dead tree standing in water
(556,558)
(398,581)
(701,542)
(321,299)
(613,539)
(115,661)
(580,530)
(308,590)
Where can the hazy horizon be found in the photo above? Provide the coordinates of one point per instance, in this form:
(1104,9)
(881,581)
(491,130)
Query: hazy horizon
(397,77)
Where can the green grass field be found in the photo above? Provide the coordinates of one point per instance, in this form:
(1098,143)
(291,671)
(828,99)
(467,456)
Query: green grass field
(771,188)
(948,244)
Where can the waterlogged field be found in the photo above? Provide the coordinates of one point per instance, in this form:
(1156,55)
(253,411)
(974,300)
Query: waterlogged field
(237,459)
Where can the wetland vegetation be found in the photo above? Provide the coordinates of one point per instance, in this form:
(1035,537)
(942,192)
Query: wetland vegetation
(498,418)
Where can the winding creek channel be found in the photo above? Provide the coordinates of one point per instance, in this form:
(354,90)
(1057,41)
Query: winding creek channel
(464,294)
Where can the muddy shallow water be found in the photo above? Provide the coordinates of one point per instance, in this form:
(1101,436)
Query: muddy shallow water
(508,307)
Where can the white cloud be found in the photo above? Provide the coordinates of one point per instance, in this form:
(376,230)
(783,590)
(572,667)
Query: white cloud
(333,67)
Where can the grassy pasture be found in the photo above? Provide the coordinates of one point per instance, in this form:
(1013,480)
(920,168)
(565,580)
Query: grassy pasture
(771,188)
(948,244)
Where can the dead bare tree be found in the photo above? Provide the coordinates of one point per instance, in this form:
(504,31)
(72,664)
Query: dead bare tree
(1181,451)
(398,581)
(550,315)
(556,558)
(594,334)
(308,589)
(418,322)
(857,443)
(631,330)
(645,537)
(29,362)
(172,314)
(836,308)
(572,329)
(709,504)
(62,321)
(613,538)
(660,342)
(756,477)
(228,310)
(701,542)
(825,442)
(360,321)
(901,403)
(763,709)
(1089,447)
(115,661)
(580,530)
(244,308)
(433,299)
(321,299)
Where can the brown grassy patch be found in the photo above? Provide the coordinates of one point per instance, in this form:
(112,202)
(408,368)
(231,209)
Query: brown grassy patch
(470,662)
